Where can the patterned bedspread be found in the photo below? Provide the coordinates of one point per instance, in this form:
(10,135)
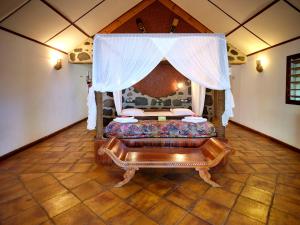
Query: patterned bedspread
(154,128)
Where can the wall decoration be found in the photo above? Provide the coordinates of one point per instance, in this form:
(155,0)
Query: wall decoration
(235,56)
(83,53)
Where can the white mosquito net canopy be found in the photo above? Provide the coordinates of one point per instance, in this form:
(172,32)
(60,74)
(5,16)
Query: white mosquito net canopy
(122,60)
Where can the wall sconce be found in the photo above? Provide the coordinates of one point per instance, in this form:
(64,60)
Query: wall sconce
(180,85)
(58,64)
(89,79)
(259,67)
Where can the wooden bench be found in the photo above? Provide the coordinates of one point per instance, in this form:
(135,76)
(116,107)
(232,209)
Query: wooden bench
(131,156)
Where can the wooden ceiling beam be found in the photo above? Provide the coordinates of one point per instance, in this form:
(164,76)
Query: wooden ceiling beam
(66,18)
(126,16)
(144,4)
(185,16)
(252,17)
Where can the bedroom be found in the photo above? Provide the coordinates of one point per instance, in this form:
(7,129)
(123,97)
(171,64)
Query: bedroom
(48,168)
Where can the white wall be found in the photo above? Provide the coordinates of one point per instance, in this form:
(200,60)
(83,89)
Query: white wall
(35,99)
(260,97)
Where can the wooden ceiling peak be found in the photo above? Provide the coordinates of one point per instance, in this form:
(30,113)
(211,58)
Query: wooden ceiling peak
(144,4)
(185,16)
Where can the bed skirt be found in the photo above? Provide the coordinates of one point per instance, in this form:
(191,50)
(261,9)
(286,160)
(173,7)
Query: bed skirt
(160,129)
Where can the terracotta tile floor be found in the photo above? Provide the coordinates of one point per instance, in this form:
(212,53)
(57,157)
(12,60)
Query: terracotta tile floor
(57,182)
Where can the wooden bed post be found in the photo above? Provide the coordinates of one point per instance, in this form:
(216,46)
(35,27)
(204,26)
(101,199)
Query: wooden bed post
(99,121)
(219,107)
(103,159)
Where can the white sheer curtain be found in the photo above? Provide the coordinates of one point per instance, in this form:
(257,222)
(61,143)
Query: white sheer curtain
(118,101)
(202,60)
(121,60)
(198,98)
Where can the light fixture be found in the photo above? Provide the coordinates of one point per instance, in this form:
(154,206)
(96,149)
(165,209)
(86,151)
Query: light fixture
(58,64)
(179,85)
(259,67)
(174,25)
(140,25)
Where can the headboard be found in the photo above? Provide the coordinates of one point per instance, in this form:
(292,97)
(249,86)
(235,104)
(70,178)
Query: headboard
(161,82)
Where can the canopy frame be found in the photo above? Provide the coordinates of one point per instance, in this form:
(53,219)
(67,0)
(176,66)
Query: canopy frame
(121,60)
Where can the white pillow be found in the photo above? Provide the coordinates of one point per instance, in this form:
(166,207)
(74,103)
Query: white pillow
(132,112)
(182,112)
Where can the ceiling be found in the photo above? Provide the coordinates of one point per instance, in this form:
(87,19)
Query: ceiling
(249,25)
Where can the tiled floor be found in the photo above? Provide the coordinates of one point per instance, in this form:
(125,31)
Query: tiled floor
(57,182)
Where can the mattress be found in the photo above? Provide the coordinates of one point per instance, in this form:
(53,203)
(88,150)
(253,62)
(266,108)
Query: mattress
(157,113)
(157,129)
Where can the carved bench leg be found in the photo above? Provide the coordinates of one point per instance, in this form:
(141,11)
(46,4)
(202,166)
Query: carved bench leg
(205,175)
(128,175)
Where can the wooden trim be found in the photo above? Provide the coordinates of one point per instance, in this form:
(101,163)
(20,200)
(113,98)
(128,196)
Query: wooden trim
(31,39)
(273,46)
(144,4)
(18,150)
(63,16)
(185,16)
(14,11)
(126,16)
(265,135)
(95,6)
(252,17)
(293,6)
(288,96)
(58,33)
(214,4)
(237,22)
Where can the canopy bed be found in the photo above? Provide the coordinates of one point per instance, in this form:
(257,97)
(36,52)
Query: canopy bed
(122,60)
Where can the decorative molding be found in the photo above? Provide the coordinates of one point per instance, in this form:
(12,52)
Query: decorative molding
(237,21)
(14,11)
(273,46)
(293,6)
(66,18)
(95,6)
(252,17)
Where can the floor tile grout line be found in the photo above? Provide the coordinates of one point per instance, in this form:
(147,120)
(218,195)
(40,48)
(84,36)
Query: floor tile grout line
(162,198)
(272,200)
(235,201)
(81,201)
(245,184)
(27,193)
(37,202)
(19,172)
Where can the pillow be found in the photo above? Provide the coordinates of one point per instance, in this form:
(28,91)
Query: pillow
(132,112)
(182,112)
